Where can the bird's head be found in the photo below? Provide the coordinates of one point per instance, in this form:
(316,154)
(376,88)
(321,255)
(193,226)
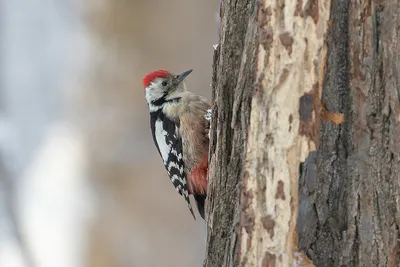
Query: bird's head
(162,85)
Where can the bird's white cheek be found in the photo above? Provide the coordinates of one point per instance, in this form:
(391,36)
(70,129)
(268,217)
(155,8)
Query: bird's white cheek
(153,94)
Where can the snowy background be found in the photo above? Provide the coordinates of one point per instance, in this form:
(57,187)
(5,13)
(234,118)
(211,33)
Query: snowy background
(81,183)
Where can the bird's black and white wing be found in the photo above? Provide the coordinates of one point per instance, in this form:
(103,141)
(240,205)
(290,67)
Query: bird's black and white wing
(169,144)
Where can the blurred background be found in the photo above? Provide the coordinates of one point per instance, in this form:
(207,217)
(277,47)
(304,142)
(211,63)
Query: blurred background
(81,183)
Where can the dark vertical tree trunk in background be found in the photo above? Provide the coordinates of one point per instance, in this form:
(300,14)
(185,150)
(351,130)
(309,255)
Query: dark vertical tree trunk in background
(234,66)
(357,207)
(348,172)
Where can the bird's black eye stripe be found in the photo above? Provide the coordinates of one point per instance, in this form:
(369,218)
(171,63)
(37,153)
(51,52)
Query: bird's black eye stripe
(164,83)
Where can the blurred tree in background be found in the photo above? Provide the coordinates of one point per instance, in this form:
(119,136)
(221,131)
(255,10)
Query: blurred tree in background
(88,188)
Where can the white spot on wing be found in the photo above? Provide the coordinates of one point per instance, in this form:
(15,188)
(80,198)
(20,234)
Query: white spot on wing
(179,156)
(176,166)
(160,137)
(176,133)
(180,179)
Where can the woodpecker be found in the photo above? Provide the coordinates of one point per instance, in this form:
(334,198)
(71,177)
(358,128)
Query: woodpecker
(179,122)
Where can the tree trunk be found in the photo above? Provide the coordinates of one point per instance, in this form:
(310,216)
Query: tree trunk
(357,208)
(234,65)
(305,131)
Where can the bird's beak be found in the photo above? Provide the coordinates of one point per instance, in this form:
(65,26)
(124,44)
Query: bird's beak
(183,75)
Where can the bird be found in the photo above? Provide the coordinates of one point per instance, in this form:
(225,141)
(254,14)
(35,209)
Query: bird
(180,122)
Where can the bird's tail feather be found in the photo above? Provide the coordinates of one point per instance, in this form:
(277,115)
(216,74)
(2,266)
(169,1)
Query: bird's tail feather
(200,203)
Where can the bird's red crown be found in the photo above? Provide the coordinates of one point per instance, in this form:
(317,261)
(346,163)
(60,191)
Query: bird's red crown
(154,75)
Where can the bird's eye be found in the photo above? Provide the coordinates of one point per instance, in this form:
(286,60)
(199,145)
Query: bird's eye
(164,83)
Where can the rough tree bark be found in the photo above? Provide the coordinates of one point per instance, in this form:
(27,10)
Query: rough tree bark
(234,60)
(286,74)
(356,217)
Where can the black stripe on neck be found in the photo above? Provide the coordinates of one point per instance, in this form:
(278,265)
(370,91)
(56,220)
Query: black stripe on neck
(162,100)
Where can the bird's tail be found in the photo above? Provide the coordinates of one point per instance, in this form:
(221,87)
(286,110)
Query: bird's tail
(200,202)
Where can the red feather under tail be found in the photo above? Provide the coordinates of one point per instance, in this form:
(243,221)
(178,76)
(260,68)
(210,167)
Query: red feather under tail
(197,179)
